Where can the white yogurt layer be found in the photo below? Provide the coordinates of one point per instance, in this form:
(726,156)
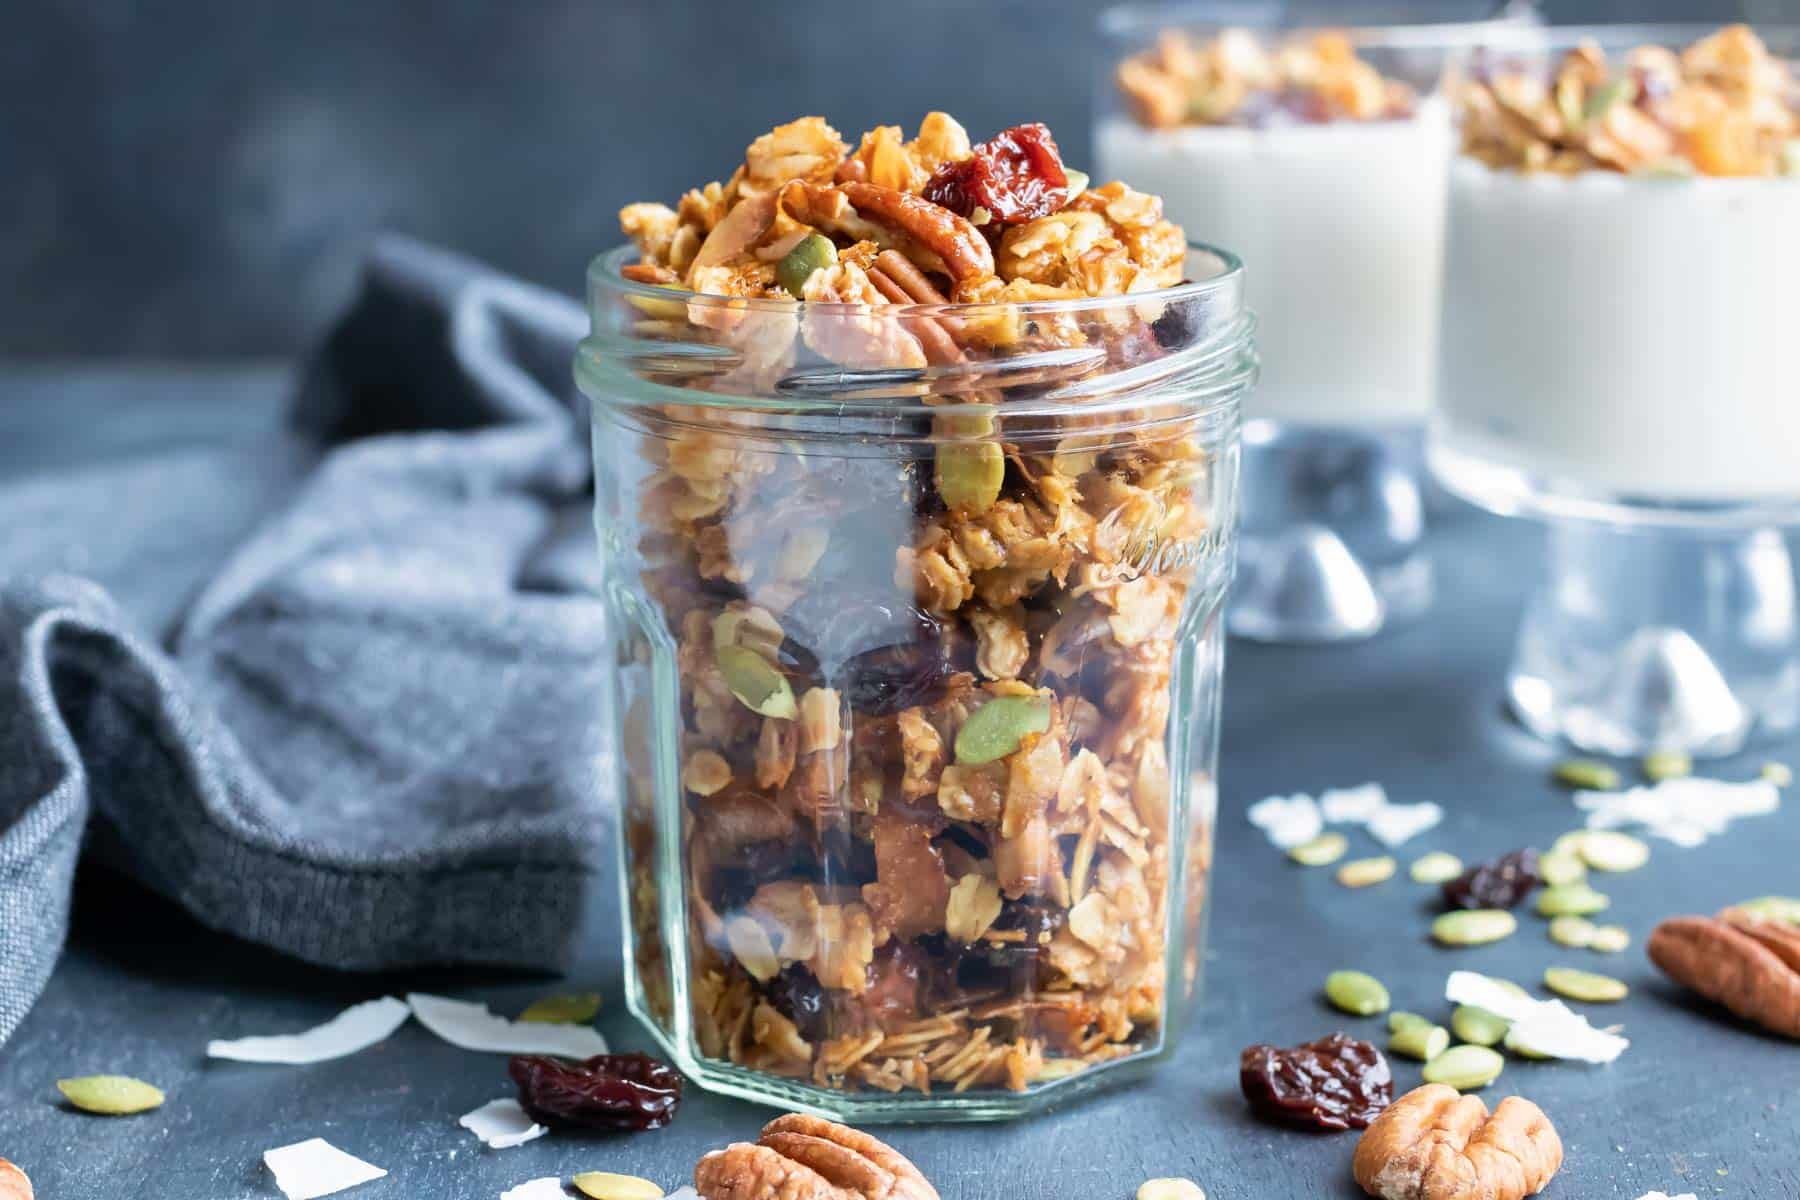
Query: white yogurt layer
(1625,335)
(1340,227)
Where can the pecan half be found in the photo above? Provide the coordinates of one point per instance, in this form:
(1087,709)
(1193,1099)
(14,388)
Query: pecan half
(1432,1144)
(965,252)
(1753,969)
(802,1157)
(13,1183)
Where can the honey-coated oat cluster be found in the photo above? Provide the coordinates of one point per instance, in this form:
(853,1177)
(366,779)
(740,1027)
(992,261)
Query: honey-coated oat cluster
(924,680)
(1722,106)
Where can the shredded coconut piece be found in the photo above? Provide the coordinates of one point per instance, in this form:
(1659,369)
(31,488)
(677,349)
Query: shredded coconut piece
(1547,1027)
(1685,811)
(1288,820)
(502,1124)
(1397,823)
(356,1028)
(547,1188)
(315,1168)
(1666,1196)
(472,1027)
(688,1193)
(1356,805)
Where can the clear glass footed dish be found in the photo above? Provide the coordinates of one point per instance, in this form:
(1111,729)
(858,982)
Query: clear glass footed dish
(916,612)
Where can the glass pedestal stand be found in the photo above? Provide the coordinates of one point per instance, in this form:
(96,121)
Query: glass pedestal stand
(1330,545)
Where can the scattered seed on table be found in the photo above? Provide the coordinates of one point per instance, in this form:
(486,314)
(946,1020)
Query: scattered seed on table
(1478,1026)
(110,1095)
(1366,872)
(604,1185)
(1778,773)
(1356,993)
(1609,939)
(1169,1189)
(1587,774)
(1577,933)
(1474,926)
(1399,1019)
(1465,1068)
(1423,1042)
(1659,765)
(1571,900)
(1436,867)
(1612,851)
(1560,866)
(1585,985)
(1321,851)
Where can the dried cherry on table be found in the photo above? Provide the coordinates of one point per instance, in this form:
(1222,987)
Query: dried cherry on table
(1335,1083)
(1501,883)
(630,1092)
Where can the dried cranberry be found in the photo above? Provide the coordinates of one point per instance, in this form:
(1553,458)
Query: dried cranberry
(1175,328)
(1017,175)
(883,653)
(608,1091)
(1336,1082)
(1498,884)
(797,995)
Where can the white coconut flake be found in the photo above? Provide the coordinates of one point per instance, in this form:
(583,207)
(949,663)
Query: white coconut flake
(1287,820)
(502,1124)
(1397,823)
(356,1028)
(1685,811)
(1666,1196)
(547,1188)
(1547,1027)
(1352,806)
(315,1168)
(688,1193)
(472,1027)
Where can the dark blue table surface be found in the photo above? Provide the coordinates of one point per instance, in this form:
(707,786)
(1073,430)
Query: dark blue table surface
(1698,1103)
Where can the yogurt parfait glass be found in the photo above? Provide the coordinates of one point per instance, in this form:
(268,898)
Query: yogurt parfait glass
(918,681)
(1322,158)
(1623,277)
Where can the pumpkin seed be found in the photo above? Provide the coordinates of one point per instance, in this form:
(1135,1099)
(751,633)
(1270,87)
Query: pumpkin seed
(814,252)
(1608,939)
(1399,1019)
(1609,850)
(1168,1189)
(1366,872)
(1321,851)
(1474,926)
(1575,932)
(577,1009)
(1078,181)
(1558,867)
(1356,993)
(1436,867)
(1423,1042)
(1588,774)
(758,686)
(1478,1026)
(1782,909)
(604,1185)
(1465,1068)
(110,1095)
(1571,900)
(995,730)
(1778,773)
(969,474)
(1569,843)
(1659,765)
(1585,985)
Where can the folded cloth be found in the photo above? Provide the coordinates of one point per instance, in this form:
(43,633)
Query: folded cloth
(374,738)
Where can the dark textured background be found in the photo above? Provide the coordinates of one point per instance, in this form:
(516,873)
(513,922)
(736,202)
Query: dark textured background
(199,177)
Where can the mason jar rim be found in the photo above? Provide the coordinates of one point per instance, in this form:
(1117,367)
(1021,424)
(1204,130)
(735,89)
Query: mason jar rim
(1783,39)
(1128,20)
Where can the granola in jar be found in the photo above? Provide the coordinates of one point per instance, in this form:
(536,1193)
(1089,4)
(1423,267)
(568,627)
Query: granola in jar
(923,642)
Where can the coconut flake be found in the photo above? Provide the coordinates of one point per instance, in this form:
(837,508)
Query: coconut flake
(547,1188)
(688,1193)
(1288,820)
(1547,1027)
(1352,806)
(1666,1196)
(472,1027)
(502,1124)
(1397,823)
(315,1168)
(356,1028)
(1685,811)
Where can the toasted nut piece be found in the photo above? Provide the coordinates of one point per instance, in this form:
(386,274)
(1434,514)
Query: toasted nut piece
(14,1184)
(1432,1144)
(1753,971)
(965,252)
(801,1157)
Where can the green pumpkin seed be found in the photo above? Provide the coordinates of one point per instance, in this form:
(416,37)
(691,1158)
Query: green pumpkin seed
(1609,850)
(1779,773)
(1078,181)
(1465,1068)
(1478,1026)
(1585,985)
(1575,932)
(1321,851)
(1366,872)
(576,1009)
(758,686)
(110,1095)
(1356,993)
(1782,909)
(1659,765)
(969,474)
(1558,867)
(1423,1042)
(1474,926)
(1587,774)
(1436,867)
(1571,900)
(1399,1019)
(814,252)
(996,729)
(604,1185)
(1608,939)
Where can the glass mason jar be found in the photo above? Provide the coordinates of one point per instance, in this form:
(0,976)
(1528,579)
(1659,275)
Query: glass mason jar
(916,615)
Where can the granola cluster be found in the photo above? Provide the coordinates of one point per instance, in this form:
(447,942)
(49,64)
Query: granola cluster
(1233,78)
(924,678)
(1723,106)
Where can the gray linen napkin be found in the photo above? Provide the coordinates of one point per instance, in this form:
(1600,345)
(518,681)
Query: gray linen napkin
(374,738)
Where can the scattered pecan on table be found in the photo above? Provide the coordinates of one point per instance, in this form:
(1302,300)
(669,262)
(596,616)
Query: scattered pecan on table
(1748,965)
(800,1157)
(1432,1144)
